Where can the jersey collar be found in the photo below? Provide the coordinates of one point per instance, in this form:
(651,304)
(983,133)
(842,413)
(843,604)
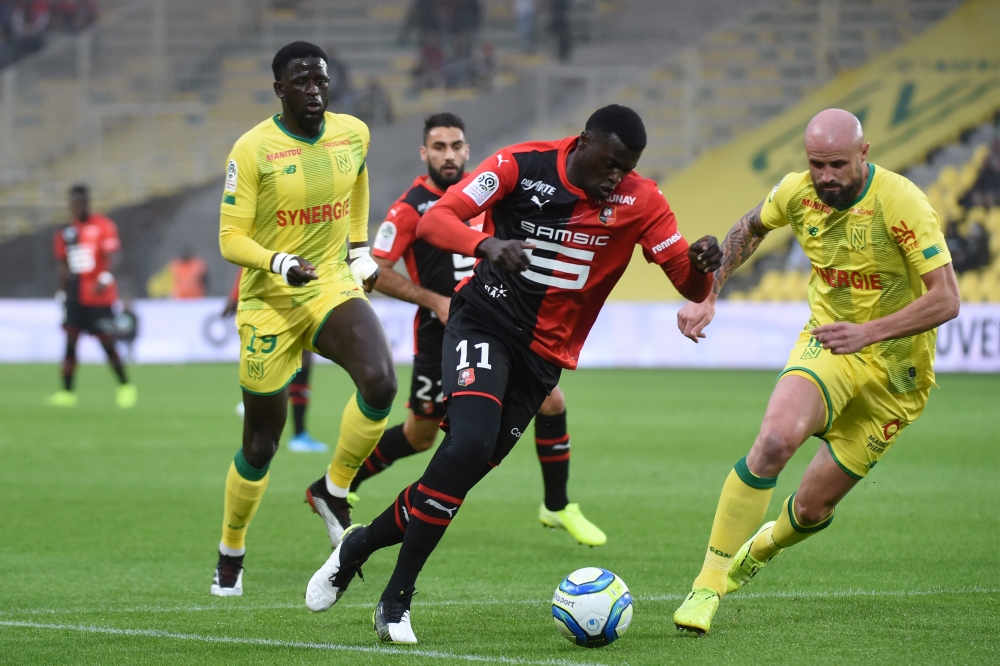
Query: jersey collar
(864,192)
(322,130)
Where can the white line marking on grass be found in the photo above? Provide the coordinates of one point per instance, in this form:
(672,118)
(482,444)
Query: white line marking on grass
(196,608)
(269,642)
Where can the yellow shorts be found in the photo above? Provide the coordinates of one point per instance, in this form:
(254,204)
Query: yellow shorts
(863,418)
(273,340)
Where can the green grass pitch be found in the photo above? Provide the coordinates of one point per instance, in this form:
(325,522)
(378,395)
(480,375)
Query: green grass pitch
(109,523)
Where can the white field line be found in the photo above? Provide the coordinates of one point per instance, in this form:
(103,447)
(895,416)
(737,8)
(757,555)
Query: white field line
(268,642)
(196,608)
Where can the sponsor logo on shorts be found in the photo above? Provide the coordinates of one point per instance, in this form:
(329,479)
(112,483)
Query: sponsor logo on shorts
(890,429)
(495,292)
(517,433)
(608,215)
(483,187)
(466,377)
(876,444)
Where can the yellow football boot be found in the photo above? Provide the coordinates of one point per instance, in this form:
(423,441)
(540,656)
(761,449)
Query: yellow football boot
(745,566)
(63,399)
(697,611)
(126,396)
(572,520)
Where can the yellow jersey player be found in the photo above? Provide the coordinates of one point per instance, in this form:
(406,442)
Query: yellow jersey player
(295,216)
(861,371)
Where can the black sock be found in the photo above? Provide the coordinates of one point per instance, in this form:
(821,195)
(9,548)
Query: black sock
(114,359)
(68,372)
(298,395)
(552,446)
(435,500)
(389,449)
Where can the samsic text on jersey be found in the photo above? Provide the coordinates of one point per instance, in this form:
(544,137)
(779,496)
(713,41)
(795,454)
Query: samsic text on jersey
(582,246)
(432,268)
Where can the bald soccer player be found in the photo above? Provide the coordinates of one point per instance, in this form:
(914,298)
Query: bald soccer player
(882,281)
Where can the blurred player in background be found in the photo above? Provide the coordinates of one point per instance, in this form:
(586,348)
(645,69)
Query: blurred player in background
(434,274)
(294,214)
(88,250)
(562,221)
(863,366)
(298,391)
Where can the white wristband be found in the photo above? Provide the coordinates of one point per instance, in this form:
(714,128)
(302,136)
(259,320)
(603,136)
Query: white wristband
(282,263)
(105,278)
(362,265)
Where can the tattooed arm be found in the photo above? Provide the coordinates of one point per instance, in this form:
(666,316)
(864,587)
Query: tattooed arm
(741,242)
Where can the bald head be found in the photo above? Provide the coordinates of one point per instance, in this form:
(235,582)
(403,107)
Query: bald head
(834,128)
(837,152)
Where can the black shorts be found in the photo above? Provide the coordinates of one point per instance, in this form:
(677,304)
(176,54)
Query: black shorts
(480,358)
(426,400)
(96,320)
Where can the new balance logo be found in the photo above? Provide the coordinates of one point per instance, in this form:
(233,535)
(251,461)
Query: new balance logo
(534,200)
(441,507)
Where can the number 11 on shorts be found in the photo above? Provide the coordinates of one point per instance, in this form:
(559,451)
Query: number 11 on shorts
(484,355)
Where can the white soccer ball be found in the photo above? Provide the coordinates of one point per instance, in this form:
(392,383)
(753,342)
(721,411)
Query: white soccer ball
(592,607)
(239,410)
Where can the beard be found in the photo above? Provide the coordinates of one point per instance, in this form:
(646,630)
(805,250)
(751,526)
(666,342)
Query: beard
(443,182)
(842,197)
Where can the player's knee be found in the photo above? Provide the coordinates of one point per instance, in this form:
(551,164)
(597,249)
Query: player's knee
(379,389)
(554,404)
(259,448)
(811,510)
(775,447)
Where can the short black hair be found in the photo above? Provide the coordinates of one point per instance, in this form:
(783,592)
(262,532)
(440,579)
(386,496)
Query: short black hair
(79,188)
(621,121)
(294,51)
(442,120)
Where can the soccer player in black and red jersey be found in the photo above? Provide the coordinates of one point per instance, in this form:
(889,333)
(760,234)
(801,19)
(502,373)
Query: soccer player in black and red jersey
(434,275)
(562,218)
(87,250)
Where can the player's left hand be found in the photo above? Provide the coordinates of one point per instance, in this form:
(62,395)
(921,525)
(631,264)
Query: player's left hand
(363,268)
(842,337)
(705,255)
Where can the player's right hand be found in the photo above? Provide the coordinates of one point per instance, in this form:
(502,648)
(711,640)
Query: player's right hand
(295,270)
(507,255)
(694,317)
(441,307)
(230,308)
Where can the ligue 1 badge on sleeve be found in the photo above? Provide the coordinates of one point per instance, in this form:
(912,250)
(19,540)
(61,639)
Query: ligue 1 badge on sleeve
(466,377)
(608,215)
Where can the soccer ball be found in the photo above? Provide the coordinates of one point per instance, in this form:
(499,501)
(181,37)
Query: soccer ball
(592,607)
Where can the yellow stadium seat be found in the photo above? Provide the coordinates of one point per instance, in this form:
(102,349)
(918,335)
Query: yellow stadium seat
(970,287)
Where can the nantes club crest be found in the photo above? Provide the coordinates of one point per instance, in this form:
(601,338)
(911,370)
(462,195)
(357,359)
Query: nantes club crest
(858,235)
(608,215)
(255,368)
(344,164)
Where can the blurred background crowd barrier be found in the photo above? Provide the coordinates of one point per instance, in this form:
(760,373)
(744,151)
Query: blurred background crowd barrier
(142,100)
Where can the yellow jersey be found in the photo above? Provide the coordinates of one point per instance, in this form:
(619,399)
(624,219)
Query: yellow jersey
(300,196)
(867,260)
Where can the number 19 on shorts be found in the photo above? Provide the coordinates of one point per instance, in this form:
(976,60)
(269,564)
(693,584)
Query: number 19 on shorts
(463,355)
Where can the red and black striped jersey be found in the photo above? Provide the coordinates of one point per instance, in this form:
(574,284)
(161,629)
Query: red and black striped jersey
(432,268)
(582,246)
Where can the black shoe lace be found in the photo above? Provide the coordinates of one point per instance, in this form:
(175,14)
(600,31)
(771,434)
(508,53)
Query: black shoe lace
(395,608)
(229,570)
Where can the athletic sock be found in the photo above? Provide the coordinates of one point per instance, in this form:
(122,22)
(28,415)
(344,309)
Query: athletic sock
(68,373)
(361,427)
(114,359)
(552,446)
(245,486)
(298,392)
(389,449)
(741,509)
(433,503)
(787,531)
